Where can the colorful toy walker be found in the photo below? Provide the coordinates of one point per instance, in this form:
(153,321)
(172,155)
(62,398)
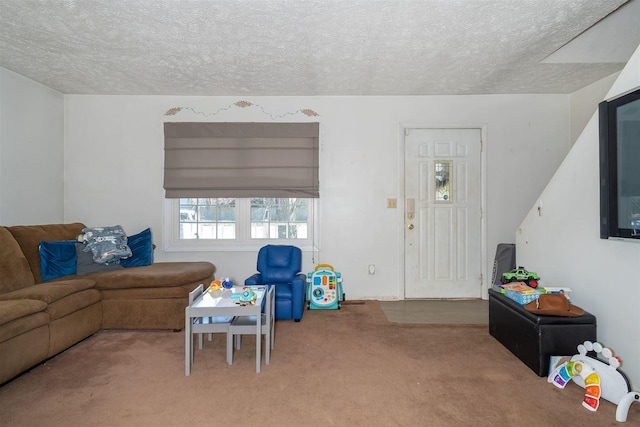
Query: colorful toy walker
(600,378)
(324,288)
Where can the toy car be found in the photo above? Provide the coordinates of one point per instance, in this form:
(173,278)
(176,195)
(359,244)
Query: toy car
(520,274)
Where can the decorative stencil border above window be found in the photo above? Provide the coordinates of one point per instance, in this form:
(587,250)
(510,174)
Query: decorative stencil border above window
(242,104)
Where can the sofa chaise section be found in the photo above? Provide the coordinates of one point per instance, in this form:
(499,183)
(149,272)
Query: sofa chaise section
(149,297)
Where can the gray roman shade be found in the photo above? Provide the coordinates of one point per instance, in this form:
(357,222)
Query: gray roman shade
(241,159)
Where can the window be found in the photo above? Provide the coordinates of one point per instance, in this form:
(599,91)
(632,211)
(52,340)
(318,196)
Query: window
(278,218)
(238,223)
(207,219)
(443,180)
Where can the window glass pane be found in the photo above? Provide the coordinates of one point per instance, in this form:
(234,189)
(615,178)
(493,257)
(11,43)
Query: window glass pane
(207,218)
(274,218)
(443,173)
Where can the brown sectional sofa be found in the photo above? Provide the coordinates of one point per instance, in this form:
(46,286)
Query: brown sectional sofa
(39,320)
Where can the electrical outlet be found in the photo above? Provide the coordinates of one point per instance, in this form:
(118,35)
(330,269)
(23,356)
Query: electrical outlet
(372,269)
(392,203)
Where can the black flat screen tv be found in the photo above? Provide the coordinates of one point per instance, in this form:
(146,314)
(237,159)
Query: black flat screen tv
(619,123)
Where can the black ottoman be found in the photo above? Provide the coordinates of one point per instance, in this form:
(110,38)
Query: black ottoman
(533,339)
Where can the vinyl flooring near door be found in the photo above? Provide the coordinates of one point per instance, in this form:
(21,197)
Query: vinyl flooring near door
(440,312)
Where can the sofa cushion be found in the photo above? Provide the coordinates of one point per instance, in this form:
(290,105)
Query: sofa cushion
(73,302)
(157,275)
(86,265)
(22,325)
(12,310)
(57,259)
(49,292)
(141,246)
(30,236)
(15,272)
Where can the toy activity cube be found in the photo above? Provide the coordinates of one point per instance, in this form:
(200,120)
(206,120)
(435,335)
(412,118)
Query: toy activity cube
(324,288)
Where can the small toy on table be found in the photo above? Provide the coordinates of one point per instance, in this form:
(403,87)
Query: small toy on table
(246,297)
(215,285)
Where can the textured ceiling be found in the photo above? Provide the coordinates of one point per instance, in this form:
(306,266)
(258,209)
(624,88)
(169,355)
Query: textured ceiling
(300,47)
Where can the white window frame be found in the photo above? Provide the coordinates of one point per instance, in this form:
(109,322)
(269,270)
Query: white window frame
(243,241)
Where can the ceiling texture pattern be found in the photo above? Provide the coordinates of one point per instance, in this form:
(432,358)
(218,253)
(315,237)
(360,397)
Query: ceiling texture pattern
(300,47)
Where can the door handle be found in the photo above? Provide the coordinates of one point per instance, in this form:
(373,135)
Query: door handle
(411,208)
(410,226)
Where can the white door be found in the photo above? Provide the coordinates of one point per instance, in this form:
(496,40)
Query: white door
(442,232)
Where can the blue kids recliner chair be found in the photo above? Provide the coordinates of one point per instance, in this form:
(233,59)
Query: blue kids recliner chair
(279,266)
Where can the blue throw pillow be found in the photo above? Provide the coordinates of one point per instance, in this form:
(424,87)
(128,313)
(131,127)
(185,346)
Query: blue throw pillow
(57,259)
(141,246)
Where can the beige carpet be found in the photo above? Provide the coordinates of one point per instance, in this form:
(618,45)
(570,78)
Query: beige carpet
(348,367)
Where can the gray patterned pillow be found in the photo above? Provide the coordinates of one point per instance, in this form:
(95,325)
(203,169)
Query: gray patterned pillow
(86,265)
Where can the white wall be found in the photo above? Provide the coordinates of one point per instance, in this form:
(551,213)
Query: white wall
(585,101)
(31,151)
(114,160)
(564,247)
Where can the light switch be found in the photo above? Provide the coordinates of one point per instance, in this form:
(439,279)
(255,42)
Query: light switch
(392,203)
